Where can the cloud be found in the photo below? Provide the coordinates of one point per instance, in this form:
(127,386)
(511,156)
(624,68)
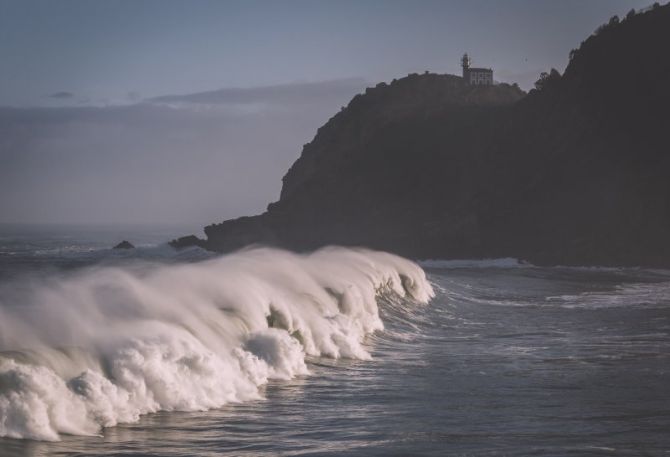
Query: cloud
(296,93)
(151,163)
(61,95)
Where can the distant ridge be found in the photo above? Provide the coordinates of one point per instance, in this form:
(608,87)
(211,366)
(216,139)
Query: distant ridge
(574,173)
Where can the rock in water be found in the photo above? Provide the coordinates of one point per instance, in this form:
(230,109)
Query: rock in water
(124,245)
(185,241)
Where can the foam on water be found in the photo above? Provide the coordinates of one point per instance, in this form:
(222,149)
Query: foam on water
(104,345)
(623,295)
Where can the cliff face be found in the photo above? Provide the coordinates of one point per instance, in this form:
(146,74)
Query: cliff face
(427,166)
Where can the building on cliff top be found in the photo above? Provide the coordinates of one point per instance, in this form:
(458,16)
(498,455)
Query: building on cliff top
(476,76)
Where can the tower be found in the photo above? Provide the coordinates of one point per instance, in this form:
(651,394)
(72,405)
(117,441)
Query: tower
(465,63)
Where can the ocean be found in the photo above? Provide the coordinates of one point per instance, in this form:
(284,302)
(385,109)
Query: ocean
(338,352)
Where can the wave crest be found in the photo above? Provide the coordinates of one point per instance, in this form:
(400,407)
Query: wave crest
(108,344)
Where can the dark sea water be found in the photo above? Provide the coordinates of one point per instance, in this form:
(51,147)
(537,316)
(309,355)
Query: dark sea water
(506,359)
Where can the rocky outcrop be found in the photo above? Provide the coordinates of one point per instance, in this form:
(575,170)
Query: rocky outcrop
(124,245)
(186,241)
(427,166)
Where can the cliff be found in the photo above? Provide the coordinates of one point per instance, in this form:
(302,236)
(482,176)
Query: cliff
(575,172)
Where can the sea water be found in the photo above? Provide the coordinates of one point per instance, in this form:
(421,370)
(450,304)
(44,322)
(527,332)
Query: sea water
(338,352)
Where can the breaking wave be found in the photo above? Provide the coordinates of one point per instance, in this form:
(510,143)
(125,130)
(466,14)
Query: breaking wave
(104,345)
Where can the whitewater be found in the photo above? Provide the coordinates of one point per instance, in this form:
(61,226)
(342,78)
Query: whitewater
(95,348)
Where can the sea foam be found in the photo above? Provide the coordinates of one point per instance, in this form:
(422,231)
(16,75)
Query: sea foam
(104,345)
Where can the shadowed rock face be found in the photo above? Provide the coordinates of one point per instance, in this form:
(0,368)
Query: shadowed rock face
(427,166)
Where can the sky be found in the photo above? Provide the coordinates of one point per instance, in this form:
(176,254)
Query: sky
(99,124)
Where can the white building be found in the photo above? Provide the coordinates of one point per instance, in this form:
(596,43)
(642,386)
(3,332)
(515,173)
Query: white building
(476,76)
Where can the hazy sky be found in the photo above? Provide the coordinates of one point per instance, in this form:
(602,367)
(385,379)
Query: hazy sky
(106,50)
(222,154)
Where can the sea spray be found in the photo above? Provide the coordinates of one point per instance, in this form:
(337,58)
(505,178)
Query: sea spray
(104,345)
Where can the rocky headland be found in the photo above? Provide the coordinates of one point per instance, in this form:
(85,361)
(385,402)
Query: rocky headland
(576,172)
